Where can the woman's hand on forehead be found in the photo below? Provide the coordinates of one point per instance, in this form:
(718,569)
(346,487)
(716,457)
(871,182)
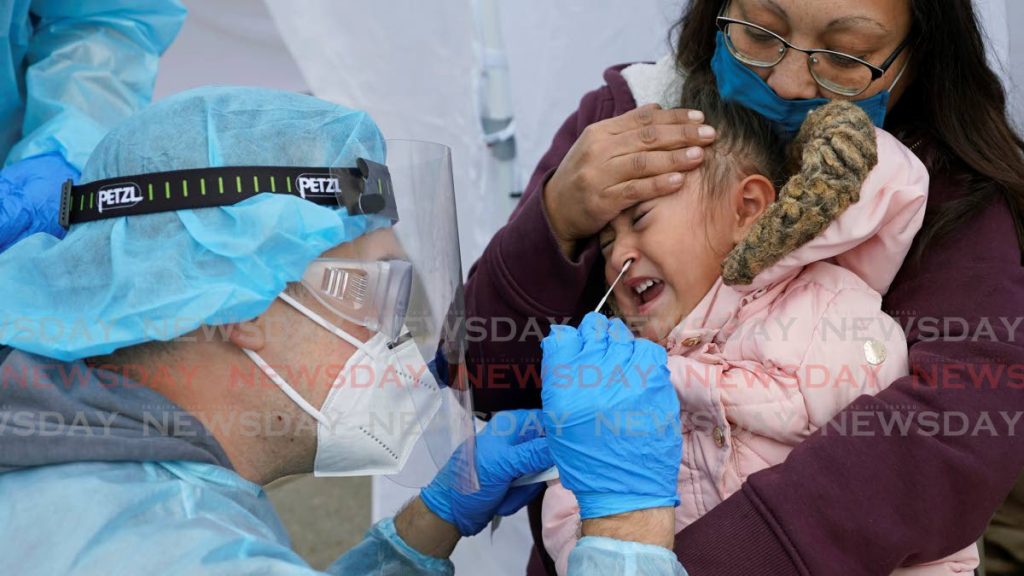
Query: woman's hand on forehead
(618,162)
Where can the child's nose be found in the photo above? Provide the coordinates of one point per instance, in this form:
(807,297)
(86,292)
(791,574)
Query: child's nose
(623,250)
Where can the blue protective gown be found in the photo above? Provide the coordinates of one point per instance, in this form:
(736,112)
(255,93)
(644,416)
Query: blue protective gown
(71,69)
(167,518)
(187,518)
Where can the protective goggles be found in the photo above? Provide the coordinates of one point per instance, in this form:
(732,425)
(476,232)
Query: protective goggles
(372,294)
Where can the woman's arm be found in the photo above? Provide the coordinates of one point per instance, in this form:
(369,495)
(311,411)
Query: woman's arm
(864,494)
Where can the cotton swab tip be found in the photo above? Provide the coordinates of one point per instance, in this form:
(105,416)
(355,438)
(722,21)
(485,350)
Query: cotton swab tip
(625,267)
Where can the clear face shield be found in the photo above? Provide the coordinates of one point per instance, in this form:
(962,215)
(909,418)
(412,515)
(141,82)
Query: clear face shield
(403,281)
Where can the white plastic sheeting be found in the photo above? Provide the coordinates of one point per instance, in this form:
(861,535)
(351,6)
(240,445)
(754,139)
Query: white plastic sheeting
(416,68)
(227,42)
(1014,75)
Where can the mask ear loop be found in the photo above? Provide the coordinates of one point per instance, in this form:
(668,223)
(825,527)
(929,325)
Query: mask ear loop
(357,343)
(286,388)
(900,75)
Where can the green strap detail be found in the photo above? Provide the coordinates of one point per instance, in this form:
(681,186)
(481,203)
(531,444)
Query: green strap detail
(151,183)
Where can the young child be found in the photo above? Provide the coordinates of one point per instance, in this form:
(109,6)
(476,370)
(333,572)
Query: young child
(770,309)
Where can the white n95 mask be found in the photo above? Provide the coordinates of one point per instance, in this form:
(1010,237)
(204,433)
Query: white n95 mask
(377,408)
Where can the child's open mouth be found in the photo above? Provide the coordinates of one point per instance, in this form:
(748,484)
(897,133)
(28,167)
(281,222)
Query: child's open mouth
(647,289)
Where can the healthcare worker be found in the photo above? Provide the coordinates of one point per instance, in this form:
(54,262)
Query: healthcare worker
(248,291)
(69,71)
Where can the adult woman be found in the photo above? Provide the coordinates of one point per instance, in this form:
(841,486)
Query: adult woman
(958,294)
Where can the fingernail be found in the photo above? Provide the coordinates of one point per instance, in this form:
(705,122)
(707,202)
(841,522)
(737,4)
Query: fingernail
(706,132)
(696,115)
(694,153)
(675,179)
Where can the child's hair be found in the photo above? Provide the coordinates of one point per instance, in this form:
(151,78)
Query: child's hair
(819,176)
(746,142)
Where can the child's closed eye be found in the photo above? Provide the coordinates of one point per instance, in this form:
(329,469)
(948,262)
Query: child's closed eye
(640,216)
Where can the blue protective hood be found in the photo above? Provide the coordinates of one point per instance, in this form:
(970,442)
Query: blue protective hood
(122,281)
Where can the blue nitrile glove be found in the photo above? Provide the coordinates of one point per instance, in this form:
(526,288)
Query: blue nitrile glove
(611,417)
(30,197)
(510,446)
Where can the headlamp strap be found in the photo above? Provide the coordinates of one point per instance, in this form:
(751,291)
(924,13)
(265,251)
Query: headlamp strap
(365,189)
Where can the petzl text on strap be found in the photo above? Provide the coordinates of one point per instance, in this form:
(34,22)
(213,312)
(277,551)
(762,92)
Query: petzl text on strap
(365,189)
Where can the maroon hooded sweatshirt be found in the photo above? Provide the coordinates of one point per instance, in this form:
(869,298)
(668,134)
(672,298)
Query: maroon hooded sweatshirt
(849,500)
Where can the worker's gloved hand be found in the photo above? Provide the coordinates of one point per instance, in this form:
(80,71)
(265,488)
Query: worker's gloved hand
(510,446)
(30,197)
(611,416)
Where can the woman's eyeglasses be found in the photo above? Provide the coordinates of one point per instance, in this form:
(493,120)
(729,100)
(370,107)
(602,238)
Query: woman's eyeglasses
(834,71)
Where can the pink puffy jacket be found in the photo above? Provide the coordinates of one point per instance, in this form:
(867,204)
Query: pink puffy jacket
(760,367)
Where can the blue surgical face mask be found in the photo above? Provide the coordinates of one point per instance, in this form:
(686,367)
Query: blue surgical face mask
(738,83)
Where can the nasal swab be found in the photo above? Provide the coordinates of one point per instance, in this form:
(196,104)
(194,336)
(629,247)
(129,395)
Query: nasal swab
(552,473)
(612,287)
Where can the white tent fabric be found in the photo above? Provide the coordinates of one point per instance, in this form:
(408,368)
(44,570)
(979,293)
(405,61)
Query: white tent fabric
(416,68)
(227,42)
(1014,75)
